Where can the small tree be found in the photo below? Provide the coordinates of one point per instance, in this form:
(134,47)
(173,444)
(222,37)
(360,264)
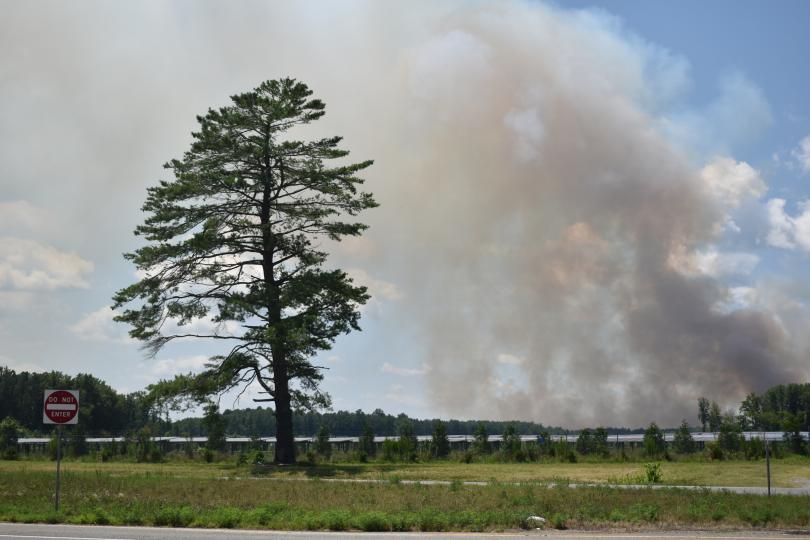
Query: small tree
(367,445)
(408,443)
(584,444)
(792,425)
(715,417)
(654,444)
(683,442)
(600,445)
(439,444)
(78,441)
(214,426)
(511,445)
(703,412)
(9,435)
(481,439)
(322,445)
(730,438)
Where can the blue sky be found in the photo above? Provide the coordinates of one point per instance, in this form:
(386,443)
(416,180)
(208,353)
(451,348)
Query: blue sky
(584,206)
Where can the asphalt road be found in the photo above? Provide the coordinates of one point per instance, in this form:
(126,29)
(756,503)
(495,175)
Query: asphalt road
(16,531)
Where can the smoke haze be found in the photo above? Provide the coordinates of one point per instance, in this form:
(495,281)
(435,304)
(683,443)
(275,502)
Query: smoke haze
(547,228)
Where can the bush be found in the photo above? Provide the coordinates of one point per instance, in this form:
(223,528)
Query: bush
(714,451)
(652,473)
(9,435)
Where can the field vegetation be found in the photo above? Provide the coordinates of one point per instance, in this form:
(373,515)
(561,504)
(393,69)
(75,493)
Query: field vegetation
(219,495)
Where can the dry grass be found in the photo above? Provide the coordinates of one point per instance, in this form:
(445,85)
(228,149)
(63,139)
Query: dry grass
(142,495)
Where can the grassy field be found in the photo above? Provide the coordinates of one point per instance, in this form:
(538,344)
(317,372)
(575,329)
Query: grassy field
(157,495)
(223,495)
(789,472)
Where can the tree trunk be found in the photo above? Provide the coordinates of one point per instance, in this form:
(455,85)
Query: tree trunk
(285,441)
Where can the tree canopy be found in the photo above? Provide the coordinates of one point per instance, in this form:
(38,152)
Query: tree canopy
(233,252)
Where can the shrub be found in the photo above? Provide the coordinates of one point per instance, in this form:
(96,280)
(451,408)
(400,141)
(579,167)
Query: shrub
(9,435)
(654,444)
(652,473)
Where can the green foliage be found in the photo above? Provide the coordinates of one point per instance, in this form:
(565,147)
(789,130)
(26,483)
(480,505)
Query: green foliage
(408,444)
(103,410)
(215,428)
(322,446)
(683,442)
(715,417)
(439,444)
(654,444)
(77,442)
(234,238)
(652,473)
(600,443)
(367,445)
(511,446)
(481,442)
(703,412)
(9,433)
(730,438)
(584,444)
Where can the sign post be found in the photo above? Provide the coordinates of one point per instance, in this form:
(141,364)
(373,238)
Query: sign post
(60,407)
(768,464)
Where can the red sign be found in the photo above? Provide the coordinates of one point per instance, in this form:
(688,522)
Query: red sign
(61,407)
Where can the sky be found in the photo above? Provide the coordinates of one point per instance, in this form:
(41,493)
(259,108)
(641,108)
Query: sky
(590,213)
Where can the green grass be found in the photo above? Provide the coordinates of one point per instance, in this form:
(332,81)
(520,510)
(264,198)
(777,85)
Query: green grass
(793,471)
(165,495)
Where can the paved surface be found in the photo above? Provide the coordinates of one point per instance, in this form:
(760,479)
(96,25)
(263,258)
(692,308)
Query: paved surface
(14,531)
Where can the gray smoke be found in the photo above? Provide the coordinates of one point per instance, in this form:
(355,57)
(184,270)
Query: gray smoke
(547,223)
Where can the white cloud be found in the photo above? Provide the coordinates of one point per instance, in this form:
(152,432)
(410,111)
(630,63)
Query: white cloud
(21,215)
(786,231)
(20,366)
(802,154)
(29,265)
(396,370)
(377,288)
(100,326)
(719,264)
(169,367)
(732,182)
(510,359)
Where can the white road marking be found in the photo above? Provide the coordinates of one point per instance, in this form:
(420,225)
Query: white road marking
(62,537)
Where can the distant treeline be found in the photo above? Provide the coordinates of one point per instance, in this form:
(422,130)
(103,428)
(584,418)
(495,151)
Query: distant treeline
(107,412)
(103,411)
(261,422)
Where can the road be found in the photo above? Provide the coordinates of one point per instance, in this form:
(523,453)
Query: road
(16,531)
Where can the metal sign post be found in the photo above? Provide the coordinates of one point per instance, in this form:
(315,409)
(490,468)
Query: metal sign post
(768,464)
(60,407)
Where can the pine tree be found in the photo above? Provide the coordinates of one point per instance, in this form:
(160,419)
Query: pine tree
(367,445)
(322,445)
(439,444)
(481,439)
(683,442)
(654,444)
(233,254)
(703,412)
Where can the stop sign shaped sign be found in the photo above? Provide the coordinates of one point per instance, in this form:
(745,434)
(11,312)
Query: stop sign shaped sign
(61,407)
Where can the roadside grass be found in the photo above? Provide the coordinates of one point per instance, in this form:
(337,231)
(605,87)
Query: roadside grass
(793,471)
(142,497)
(789,472)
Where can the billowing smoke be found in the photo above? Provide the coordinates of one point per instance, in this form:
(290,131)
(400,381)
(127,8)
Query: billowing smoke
(549,228)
